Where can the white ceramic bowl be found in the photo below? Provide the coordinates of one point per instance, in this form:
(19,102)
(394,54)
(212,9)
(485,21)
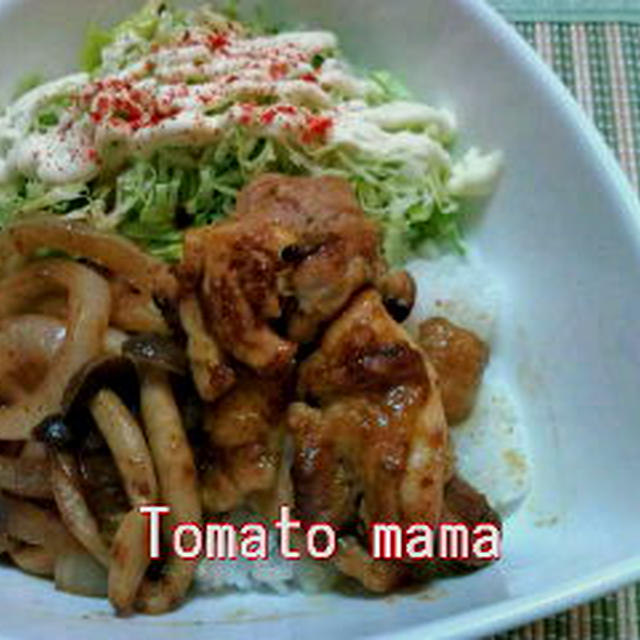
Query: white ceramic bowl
(561,233)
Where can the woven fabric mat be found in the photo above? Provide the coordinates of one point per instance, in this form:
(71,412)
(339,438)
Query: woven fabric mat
(570,10)
(600,64)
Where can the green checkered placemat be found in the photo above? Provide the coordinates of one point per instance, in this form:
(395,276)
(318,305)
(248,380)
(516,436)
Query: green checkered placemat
(600,63)
(570,10)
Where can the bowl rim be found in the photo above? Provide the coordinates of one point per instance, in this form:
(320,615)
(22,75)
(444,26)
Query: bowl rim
(518,611)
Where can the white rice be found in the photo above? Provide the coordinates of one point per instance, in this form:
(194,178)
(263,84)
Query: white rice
(275,574)
(459,289)
(488,445)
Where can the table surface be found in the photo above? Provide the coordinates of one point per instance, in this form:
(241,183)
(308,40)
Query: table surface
(594,47)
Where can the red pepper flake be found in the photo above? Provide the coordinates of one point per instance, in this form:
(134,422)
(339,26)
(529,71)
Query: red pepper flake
(246,117)
(127,110)
(309,77)
(286,109)
(118,101)
(231,79)
(115,84)
(162,112)
(217,41)
(136,95)
(278,70)
(316,128)
(92,155)
(268,116)
(103,106)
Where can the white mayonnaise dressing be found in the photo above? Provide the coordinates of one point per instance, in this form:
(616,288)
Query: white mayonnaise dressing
(54,155)
(18,149)
(475,174)
(398,115)
(193,91)
(355,130)
(187,128)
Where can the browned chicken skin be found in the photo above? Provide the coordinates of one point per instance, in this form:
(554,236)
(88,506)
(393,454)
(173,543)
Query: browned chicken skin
(459,357)
(376,448)
(377,576)
(212,376)
(336,250)
(295,251)
(374,445)
(235,269)
(464,504)
(245,434)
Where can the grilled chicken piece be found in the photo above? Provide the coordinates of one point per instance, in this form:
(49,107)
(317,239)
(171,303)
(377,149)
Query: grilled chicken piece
(378,576)
(296,250)
(211,375)
(464,504)
(234,270)
(336,250)
(245,435)
(376,448)
(459,357)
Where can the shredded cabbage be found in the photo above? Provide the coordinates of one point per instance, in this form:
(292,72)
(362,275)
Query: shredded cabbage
(152,198)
